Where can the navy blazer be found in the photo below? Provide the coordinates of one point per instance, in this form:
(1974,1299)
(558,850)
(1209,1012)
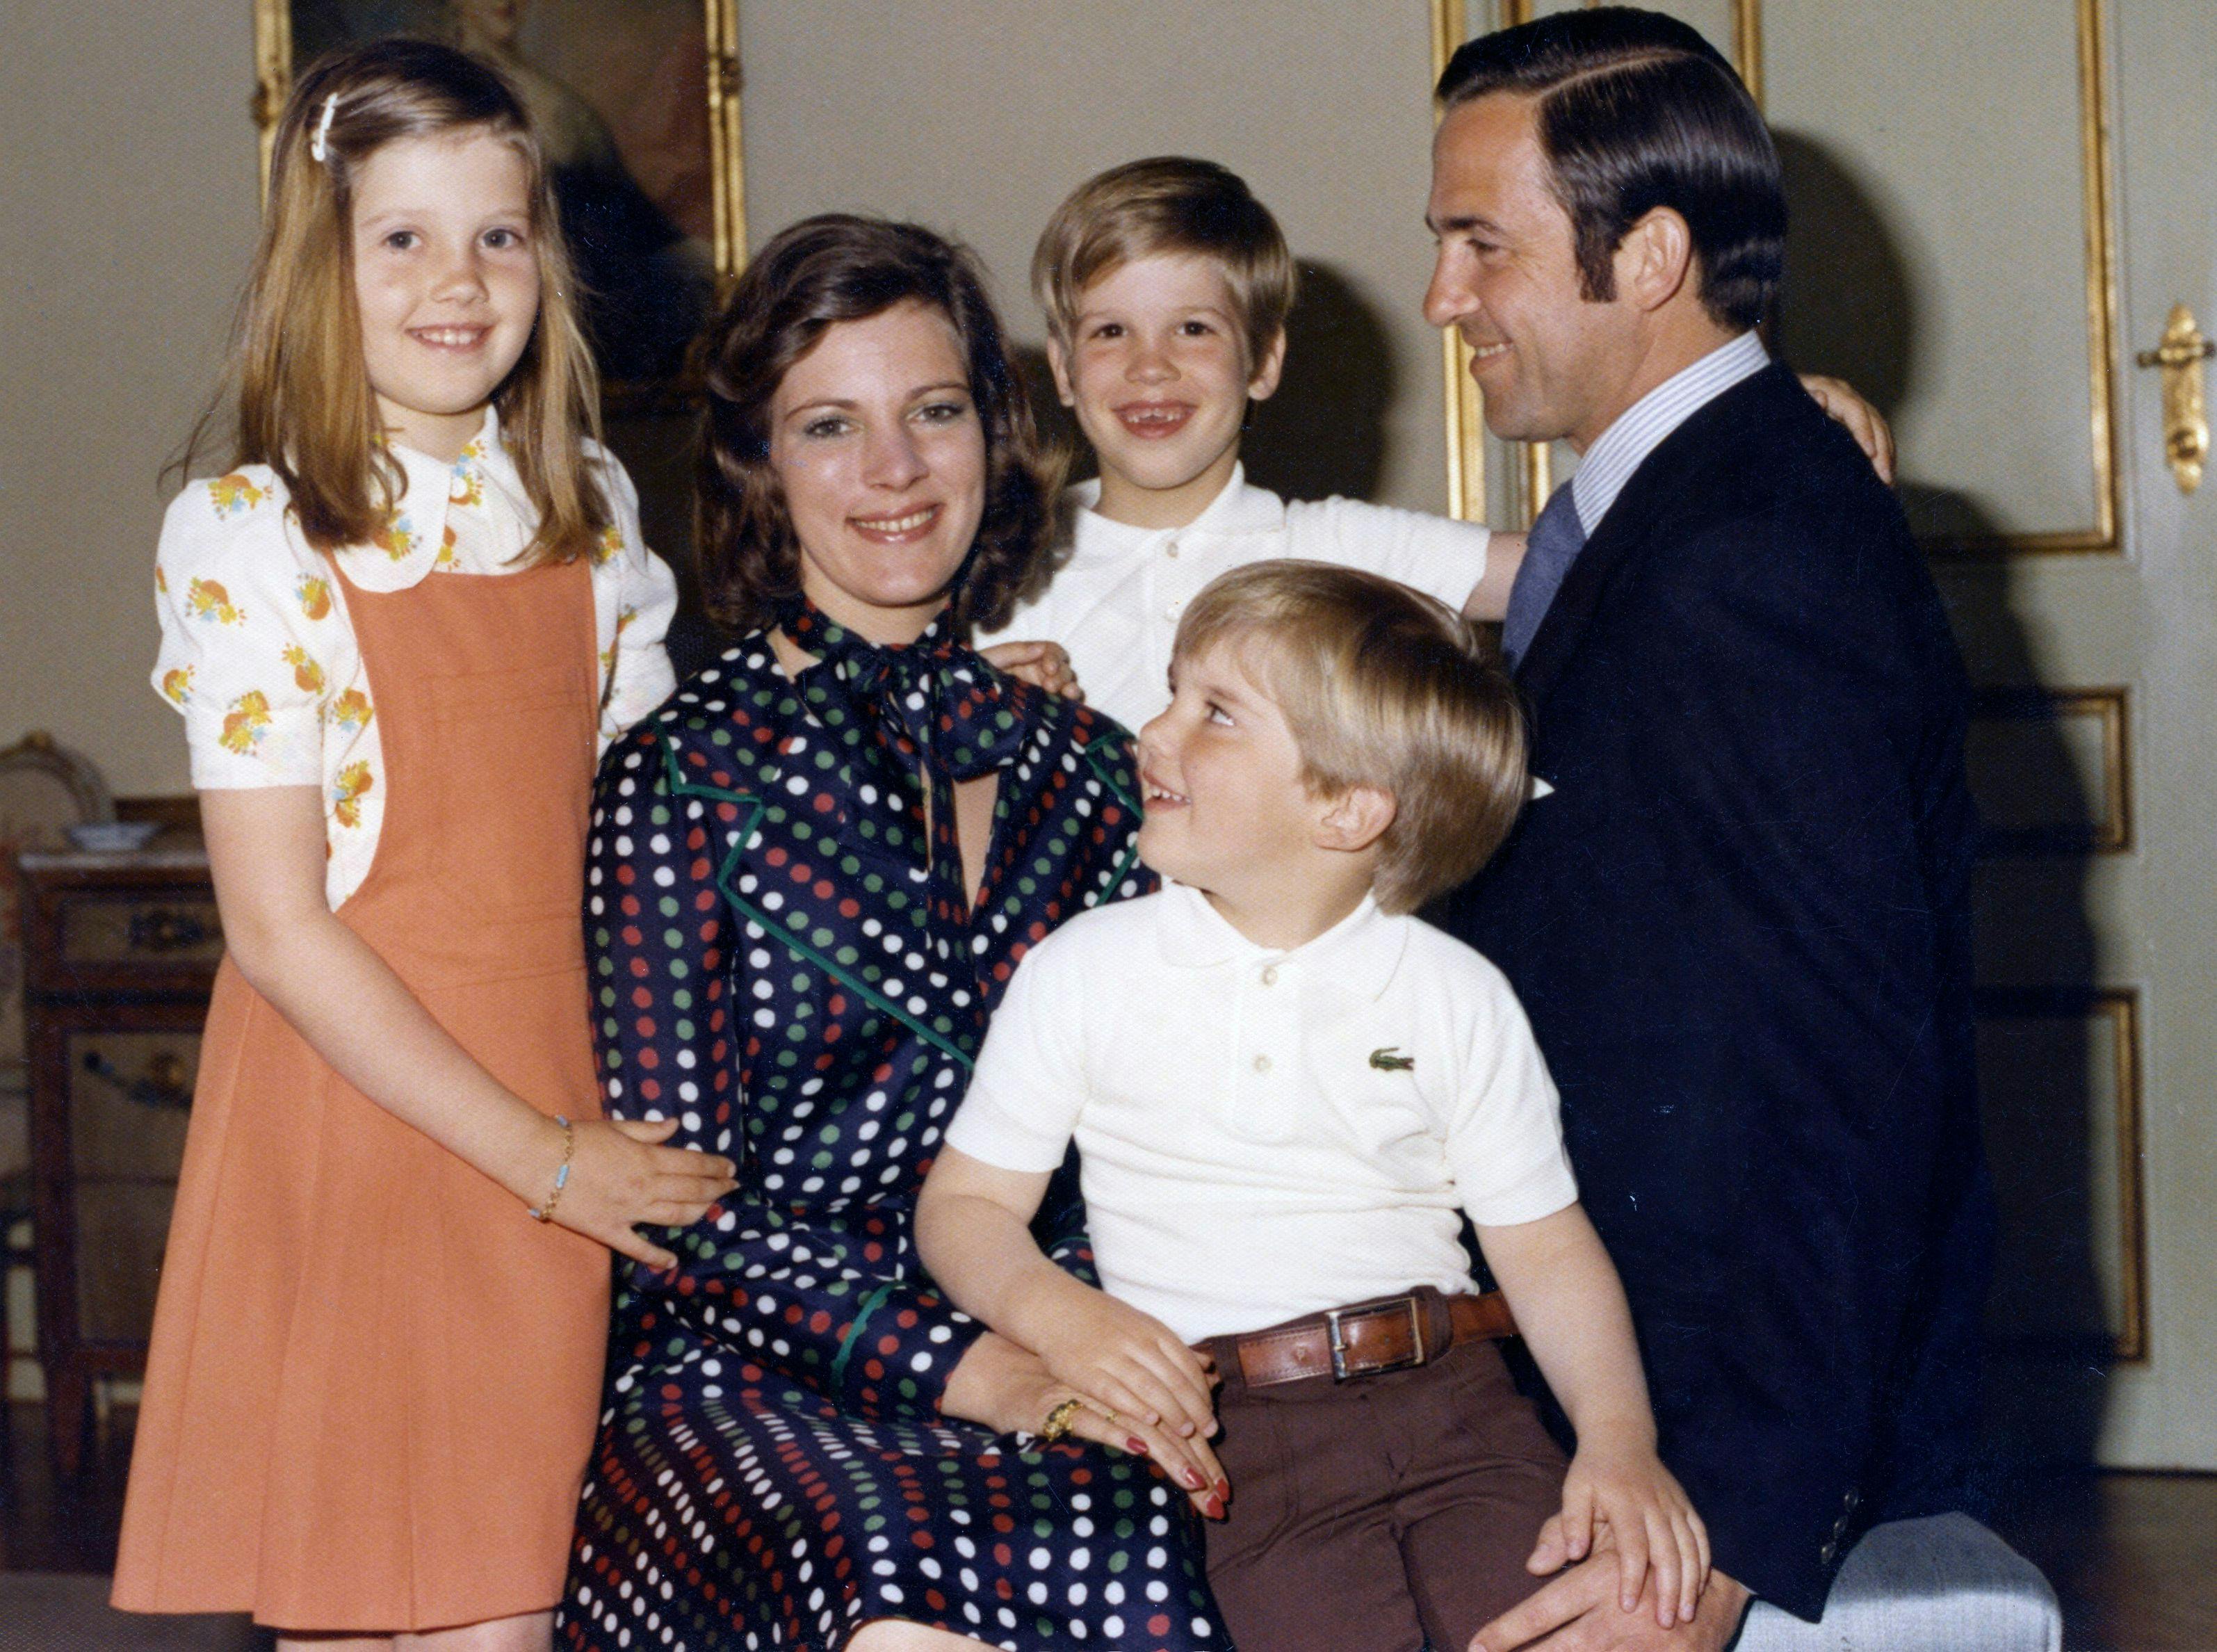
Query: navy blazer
(1740,926)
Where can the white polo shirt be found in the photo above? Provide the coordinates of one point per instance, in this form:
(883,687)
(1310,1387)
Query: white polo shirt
(1266,1133)
(1117,591)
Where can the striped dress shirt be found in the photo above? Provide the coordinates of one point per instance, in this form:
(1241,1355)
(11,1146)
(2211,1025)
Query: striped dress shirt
(1606,466)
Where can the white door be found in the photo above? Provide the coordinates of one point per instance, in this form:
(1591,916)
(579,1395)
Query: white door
(1997,203)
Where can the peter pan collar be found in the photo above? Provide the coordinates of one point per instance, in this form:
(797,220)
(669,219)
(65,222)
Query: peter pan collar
(1238,510)
(1359,954)
(417,533)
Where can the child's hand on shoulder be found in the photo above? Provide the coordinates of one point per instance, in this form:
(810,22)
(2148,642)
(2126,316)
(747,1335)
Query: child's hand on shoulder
(1622,1497)
(1043,664)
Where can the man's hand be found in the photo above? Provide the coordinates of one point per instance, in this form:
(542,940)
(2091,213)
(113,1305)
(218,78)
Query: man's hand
(1579,1612)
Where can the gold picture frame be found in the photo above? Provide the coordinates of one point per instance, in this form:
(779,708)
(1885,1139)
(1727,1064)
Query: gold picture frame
(640,104)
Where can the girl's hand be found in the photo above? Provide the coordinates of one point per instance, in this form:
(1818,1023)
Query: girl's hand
(1009,1389)
(1625,1499)
(619,1178)
(1857,417)
(1043,664)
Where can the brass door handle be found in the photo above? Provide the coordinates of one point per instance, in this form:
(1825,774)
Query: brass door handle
(2185,406)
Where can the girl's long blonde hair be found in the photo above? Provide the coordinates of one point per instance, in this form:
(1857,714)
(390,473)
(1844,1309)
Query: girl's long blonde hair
(306,408)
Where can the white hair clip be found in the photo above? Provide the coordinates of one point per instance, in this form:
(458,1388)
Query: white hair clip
(319,146)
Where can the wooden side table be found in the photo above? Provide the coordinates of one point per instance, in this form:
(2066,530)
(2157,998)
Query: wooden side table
(120,953)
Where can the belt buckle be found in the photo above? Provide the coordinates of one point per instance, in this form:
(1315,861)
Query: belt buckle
(1335,1338)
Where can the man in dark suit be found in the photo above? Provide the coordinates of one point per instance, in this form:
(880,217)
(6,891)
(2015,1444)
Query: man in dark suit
(1736,908)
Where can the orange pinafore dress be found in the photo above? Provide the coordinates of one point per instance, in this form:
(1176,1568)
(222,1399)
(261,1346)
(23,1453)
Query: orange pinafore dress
(374,1380)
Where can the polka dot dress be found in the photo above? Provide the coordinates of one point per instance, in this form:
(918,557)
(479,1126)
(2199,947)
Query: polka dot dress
(776,968)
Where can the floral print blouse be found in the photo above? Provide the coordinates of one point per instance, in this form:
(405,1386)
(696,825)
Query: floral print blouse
(258,654)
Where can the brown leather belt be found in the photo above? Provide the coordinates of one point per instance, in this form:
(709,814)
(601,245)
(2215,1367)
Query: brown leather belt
(1391,1333)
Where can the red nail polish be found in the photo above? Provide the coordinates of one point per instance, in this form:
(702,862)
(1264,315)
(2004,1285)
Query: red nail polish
(1134,1444)
(1193,1479)
(1215,1507)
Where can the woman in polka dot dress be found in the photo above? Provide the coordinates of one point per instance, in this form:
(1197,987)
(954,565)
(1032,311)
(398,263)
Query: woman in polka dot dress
(812,874)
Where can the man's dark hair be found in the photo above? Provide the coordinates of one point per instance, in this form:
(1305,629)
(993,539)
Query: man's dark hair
(1637,111)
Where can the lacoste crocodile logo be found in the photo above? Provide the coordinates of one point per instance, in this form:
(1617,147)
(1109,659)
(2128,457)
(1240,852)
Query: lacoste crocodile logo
(1390,1060)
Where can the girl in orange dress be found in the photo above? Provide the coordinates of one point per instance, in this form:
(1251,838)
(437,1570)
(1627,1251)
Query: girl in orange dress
(398,630)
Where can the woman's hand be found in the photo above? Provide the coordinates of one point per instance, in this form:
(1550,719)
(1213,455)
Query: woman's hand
(1148,1393)
(971,1231)
(1131,1359)
(1009,1390)
(1043,664)
(620,1177)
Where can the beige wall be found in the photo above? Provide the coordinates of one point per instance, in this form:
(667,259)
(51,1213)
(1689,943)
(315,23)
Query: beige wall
(126,218)
(976,116)
(128,191)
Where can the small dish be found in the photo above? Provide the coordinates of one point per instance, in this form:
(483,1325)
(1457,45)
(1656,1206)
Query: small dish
(113,836)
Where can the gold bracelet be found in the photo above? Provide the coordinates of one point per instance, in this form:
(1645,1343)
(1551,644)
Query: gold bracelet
(546,1212)
(1058,1420)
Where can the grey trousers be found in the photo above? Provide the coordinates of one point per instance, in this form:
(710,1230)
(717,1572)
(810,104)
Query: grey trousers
(1942,1584)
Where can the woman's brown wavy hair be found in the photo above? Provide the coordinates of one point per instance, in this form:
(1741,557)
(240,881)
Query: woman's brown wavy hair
(306,408)
(809,278)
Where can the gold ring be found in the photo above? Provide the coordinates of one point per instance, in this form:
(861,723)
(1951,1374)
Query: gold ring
(1114,1422)
(1058,1420)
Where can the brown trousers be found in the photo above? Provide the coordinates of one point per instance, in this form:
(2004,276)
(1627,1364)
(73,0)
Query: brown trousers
(1381,1513)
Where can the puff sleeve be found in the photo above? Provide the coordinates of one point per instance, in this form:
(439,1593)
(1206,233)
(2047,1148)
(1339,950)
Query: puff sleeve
(248,631)
(635,595)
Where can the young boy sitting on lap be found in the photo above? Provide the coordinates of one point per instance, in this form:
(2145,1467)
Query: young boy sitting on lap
(1286,1092)
(1166,286)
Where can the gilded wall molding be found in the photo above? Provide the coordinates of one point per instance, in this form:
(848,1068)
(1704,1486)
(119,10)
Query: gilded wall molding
(2108,827)
(2119,1008)
(2094,158)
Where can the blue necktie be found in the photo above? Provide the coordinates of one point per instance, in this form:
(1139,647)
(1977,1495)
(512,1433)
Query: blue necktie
(1557,538)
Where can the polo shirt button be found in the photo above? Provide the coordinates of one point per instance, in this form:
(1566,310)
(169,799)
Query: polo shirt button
(1170,610)
(1170,549)
(1270,974)
(1262,1064)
